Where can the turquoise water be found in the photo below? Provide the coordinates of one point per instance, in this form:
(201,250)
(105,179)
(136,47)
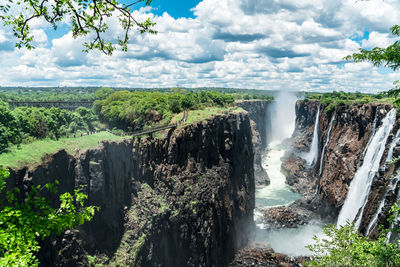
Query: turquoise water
(290,241)
(277,197)
(278,192)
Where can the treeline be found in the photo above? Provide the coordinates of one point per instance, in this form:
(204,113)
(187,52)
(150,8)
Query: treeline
(345,96)
(135,110)
(333,99)
(25,124)
(48,93)
(89,93)
(117,110)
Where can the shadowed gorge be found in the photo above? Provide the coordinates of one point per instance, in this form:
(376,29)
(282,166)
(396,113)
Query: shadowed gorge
(234,189)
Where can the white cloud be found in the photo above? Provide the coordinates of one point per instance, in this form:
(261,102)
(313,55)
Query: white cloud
(265,44)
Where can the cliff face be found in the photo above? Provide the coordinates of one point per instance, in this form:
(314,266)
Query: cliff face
(352,128)
(184,199)
(258,113)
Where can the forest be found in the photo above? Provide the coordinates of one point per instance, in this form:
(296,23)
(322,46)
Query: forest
(127,110)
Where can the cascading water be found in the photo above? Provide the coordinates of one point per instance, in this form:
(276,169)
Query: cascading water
(395,220)
(328,136)
(395,141)
(373,130)
(360,185)
(312,156)
(291,241)
(278,192)
(392,186)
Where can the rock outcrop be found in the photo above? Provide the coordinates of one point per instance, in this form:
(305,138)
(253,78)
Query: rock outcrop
(351,131)
(258,113)
(184,199)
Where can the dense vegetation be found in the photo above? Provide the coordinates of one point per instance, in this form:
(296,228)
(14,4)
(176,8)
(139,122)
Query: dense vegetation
(344,246)
(135,110)
(25,124)
(89,93)
(22,223)
(334,99)
(128,110)
(48,94)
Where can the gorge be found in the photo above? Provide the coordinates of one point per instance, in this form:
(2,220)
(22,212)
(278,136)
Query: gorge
(272,173)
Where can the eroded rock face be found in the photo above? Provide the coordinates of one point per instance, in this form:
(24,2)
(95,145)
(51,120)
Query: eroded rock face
(265,257)
(285,217)
(351,131)
(184,199)
(257,110)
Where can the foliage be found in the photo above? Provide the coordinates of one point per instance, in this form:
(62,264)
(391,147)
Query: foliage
(334,99)
(85,17)
(130,109)
(93,93)
(388,57)
(24,124)
(344,246)
(135,110)
(33,152)
(23,222)
(48,93)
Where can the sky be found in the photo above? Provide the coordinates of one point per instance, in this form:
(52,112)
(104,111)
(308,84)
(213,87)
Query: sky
(257,44)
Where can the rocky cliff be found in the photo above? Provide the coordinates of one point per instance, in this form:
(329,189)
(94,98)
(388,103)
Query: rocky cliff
(184,199)
(326,185)
(260,123)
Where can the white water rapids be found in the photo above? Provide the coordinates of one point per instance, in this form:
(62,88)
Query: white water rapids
(290,241)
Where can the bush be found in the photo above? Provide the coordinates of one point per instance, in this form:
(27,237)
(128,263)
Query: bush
(344,246)
(22,223)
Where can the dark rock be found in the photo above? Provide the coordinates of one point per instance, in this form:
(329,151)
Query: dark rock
(257,110)
(185,199)
(264,257)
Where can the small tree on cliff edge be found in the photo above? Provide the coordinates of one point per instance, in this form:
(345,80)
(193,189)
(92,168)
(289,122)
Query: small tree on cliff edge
(84,17)
(388,57)
(23,222)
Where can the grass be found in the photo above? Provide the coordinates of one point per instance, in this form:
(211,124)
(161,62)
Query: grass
(202,114)
(33,153)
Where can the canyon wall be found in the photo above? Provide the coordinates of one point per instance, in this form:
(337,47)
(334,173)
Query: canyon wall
(326,185)
(184,199)
(260,124)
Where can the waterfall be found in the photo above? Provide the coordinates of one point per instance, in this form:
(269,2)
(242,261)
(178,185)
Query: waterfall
(321,164)
(373,130)
(395,221)
(392,186)
(360,185)
(395,141)
(312,156)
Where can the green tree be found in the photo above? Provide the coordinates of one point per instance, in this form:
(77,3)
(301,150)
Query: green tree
(388,57)
(103,92)
(9,130)
(344,246)
(85,17)
(22,223)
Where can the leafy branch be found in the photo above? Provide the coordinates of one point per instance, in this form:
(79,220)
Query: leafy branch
(23,222)
(388,57)
(85,16)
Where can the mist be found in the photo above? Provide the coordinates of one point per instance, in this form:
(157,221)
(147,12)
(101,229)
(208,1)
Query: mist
(282,116)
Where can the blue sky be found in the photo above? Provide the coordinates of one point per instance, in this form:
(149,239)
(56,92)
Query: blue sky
(261,44)
(175,8)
